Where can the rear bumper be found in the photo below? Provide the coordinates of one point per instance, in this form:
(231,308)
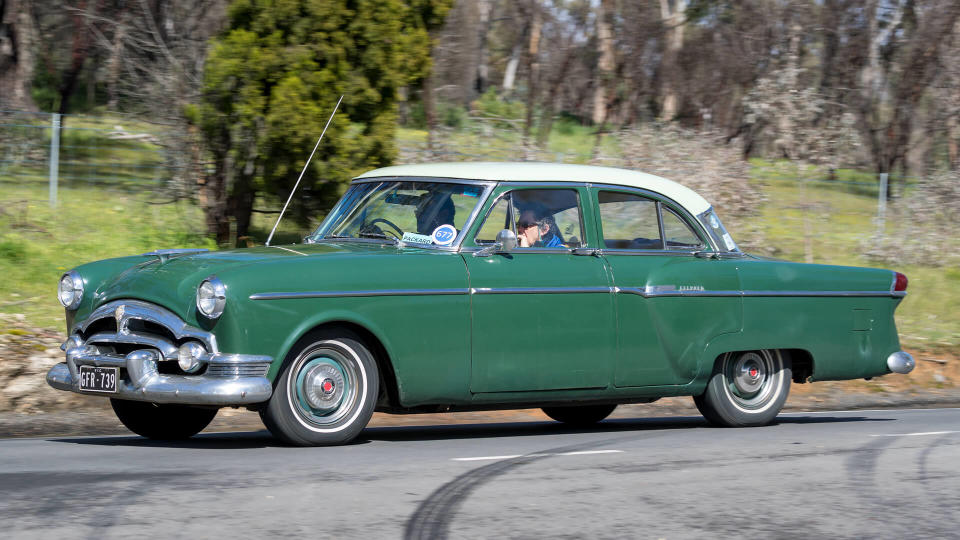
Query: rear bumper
(240,379)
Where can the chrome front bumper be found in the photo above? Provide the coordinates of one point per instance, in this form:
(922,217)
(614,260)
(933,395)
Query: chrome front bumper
(142,382)
(226,379)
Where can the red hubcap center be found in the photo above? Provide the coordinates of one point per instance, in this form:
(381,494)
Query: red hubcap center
(327,386)
(754,372)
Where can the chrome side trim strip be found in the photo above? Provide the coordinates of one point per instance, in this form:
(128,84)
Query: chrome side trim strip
(818,293)
(646,292)
(542,290)
(348,294)
(666,290)
(648,252)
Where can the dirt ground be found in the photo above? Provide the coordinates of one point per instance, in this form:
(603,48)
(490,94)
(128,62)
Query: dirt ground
(30,408)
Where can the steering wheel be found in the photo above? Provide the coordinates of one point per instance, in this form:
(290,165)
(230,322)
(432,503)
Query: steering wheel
(398,234)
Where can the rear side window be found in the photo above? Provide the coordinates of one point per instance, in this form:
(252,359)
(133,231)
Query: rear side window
(632,221)
(678,234)
(629,221)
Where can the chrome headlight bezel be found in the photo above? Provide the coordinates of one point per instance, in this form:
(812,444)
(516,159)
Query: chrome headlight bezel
(211,297)
(70,294)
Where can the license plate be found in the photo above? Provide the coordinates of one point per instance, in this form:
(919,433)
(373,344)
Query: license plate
(98,379)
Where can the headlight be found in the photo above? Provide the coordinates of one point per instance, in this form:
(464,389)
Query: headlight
(211,297)
(70,292)
(189,356)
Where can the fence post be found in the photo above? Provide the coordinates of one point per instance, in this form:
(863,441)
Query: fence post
(882,205)
(54,159)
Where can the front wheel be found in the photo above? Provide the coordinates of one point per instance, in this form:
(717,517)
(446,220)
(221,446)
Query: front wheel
(326,391)
(746,389)
(579,415)
(162,421)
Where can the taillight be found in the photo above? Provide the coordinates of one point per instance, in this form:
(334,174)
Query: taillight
(900,282)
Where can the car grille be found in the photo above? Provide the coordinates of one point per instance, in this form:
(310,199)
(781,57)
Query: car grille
(123,326)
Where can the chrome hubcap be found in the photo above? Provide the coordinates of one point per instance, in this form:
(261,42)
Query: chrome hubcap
(749,373)
(325,385)
(753,378)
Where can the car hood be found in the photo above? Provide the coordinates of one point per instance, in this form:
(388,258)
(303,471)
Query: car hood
(172,281)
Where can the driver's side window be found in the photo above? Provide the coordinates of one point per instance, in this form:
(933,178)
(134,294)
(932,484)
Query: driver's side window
(541,218)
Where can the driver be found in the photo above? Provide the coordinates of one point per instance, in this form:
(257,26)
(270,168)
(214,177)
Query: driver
(538,230)
(434,210)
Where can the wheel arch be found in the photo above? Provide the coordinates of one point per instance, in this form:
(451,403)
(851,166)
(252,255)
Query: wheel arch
(801,361)
(389,385)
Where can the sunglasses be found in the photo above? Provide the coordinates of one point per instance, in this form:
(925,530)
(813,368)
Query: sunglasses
(525,224)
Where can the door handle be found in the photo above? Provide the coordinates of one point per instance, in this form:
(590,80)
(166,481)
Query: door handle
(586,252)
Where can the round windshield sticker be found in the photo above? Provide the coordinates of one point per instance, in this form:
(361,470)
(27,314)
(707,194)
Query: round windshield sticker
(444,235)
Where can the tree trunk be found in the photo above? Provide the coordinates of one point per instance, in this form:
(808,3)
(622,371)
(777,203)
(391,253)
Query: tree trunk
(605,9)
(79,51)
(533,71)
(241,206)
(673,14)
(510,73)
(482,77)
(429,112)
(116,58)
(18,38)
(953,142)
(213,199)
(546,116)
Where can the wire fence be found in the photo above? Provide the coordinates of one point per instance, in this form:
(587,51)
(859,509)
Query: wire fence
(75,150)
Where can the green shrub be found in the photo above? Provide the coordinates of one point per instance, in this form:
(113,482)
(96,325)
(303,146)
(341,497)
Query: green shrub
(506,114)
(453,116)
(13,250)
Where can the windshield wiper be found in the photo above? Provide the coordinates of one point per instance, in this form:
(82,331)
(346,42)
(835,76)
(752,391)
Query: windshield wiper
(381,236)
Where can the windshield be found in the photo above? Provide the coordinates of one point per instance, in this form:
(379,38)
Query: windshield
(415,212)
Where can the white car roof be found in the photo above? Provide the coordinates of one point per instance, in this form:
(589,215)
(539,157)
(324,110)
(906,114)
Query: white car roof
(549,172)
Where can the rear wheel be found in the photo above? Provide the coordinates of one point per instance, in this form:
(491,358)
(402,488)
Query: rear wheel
(746,389)
(326,391)
(162,421)
(579,415)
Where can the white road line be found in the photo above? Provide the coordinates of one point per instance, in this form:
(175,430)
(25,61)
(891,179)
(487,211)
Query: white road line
(919,434)
(495,458)
(589,452)
(804,413)
(485,458)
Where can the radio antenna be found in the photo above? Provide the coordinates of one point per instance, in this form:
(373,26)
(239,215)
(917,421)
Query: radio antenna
(307,164)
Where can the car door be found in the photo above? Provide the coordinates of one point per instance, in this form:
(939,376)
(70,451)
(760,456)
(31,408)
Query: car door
(542,316)
(670,302)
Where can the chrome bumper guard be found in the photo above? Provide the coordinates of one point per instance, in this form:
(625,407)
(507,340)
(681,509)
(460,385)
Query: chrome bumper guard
(144,383)
(901,362)
(229,379)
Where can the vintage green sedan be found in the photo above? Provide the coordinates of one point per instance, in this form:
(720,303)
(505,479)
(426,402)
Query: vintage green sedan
(470,286)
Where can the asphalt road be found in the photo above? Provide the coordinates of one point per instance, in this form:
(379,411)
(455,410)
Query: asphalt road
(874,474)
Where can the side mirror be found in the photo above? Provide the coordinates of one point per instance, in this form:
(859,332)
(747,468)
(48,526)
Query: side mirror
(506,241)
